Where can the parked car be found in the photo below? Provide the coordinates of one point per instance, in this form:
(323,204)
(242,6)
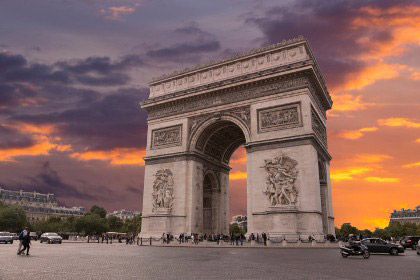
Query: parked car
(15,236)
(51,237)
(418,248)
(33,235)
(410,242)
(6,237)
(377,245)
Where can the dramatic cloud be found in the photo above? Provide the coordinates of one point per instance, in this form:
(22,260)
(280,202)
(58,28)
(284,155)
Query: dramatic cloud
(117,156)
(416,164)
(350,38)
(117,12)
(348,174)
(198,43)
(395,122)
(356,134)
(381,180)
(371,158)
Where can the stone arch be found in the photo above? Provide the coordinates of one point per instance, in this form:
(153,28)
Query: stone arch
(211,131)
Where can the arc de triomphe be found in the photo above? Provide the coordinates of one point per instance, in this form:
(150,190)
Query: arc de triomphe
(271,100)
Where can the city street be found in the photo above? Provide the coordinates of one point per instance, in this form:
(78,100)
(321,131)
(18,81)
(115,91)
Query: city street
(120,261)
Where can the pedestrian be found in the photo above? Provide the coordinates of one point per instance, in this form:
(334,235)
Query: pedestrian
(21,236)
(264,236)
(25,242)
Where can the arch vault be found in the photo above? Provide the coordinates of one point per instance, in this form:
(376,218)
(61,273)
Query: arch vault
(271,100)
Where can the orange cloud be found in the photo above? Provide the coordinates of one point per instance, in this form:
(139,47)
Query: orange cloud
(237,175)
(34,129)
(376,222)
(347,174)
(416,164)
(381,180)
(356,134)
(371,158)
(348,102)
(117,156)
(417,140)
(398,122)
(415,76)
(371,74)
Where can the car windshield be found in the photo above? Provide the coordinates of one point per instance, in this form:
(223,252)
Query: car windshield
(51,234)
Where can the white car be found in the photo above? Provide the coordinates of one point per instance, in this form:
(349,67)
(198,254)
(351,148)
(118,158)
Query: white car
(6,237)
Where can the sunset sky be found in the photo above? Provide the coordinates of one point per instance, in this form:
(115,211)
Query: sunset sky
(72,74)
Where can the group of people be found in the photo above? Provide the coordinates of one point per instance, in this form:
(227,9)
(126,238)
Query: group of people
(25,241)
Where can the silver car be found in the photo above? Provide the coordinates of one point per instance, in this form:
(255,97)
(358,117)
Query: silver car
(51,237)
(6,237)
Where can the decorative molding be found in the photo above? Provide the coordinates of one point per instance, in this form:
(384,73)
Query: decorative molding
(318,127)
(167,137)
(242,113)
(230,96)
(281,179)
(228,59)
(279,117)
(163,189)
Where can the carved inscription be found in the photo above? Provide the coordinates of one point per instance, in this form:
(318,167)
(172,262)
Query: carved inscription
(163,189)
(166,137)
(280,117)
(318,127)
(281,178)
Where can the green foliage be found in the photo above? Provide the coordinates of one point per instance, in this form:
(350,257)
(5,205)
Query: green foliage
(12,218)
(91,224)
(101,212)
(236,229)
(114,223)
(394,229)
(132,225)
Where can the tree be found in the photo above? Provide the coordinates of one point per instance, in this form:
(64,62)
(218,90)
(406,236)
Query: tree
(347,229)
(91,224)
(235,229)
(114,223)
(12,218)
(101,212)
(132,225)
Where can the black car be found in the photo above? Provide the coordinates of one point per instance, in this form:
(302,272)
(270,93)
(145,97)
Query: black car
(377,245)
(410,242)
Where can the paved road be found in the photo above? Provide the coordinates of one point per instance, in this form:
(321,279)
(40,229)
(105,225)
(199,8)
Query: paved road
(119,261)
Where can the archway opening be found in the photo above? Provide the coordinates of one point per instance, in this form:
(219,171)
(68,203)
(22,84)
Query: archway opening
(218,143)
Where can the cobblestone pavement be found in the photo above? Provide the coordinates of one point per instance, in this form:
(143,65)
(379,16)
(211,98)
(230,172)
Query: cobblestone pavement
(120,261)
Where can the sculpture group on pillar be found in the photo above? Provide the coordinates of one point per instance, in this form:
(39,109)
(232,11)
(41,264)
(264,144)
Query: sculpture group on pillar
(281,178)
(163,190)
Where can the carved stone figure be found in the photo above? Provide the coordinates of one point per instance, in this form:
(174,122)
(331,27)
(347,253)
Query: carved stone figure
(281,178)
(163,190)
(279,117)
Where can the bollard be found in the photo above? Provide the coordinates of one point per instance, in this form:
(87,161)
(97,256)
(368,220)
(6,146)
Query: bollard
(141,241)
(150,241)
(284,243)
(88,238)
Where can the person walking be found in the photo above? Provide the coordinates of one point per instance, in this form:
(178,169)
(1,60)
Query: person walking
(264,236)
(21,236)
(25,242)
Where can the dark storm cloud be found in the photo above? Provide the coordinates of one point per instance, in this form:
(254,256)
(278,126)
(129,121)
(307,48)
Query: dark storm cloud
(15,94)
(94,71)
(328,26)
(112,121)
(49,181)
(11,139)
(198,42)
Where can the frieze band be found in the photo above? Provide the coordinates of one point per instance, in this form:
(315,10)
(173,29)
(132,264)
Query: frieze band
(279,117)
(167,137)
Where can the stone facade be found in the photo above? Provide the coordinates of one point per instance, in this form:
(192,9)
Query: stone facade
(406,216)
(271,100)
(123,214)
(38,206)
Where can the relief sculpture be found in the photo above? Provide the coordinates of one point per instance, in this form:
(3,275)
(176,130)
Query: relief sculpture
(281,180)
(163,189)
(279,117)
(165,137)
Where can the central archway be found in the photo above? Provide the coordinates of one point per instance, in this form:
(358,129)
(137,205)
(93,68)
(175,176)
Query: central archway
(215,141)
